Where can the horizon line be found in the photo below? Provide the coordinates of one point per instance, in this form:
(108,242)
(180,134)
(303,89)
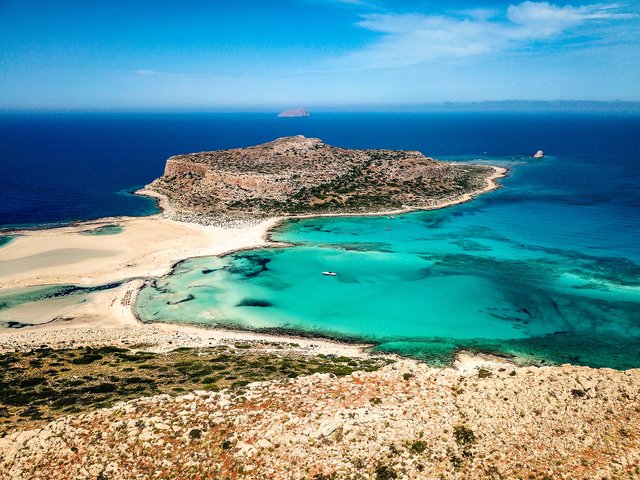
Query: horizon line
(621,106)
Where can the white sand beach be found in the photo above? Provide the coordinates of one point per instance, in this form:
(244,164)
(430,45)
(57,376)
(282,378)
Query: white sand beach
(147,246)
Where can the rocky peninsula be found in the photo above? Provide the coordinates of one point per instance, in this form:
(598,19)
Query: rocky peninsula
(305,176)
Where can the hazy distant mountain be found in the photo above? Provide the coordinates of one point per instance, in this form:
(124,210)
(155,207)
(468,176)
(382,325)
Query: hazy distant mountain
(501,106)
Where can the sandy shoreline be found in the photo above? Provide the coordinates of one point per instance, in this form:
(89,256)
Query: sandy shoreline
(491,184)
(147,247)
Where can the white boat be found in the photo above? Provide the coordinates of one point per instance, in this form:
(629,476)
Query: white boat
(331,274)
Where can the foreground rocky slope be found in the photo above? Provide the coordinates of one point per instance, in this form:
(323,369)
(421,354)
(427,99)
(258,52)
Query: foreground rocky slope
(404,421)
(42,384)
(298,175)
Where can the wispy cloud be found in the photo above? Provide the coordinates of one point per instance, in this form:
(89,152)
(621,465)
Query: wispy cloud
(540,19)
(409,39)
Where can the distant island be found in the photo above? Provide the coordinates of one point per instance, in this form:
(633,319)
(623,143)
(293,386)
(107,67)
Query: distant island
(295,112)
(298,175)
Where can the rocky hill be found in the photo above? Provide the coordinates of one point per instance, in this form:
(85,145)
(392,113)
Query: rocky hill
(298,175)
(404,421)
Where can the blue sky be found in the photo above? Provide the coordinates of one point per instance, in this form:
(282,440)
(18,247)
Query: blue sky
(313,53)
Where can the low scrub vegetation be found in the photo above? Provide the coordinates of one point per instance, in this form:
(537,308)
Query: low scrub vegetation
(42,384)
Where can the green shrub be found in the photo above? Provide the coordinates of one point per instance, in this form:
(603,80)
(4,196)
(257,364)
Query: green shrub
(385,473)
(418,447)
(464,435)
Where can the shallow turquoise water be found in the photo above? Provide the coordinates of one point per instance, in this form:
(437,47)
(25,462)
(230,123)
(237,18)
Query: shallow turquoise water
(511,272)
(110,229)
(5,239)
(17,297)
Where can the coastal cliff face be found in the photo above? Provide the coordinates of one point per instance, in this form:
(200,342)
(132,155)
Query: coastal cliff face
(298,175)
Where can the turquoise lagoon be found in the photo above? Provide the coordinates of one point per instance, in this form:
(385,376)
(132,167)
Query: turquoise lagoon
(537,270)
(26,306)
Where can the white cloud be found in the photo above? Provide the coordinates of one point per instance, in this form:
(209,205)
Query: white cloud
(409,39)
(542,19)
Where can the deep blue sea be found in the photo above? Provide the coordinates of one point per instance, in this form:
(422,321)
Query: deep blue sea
(547,268)
(64,167)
